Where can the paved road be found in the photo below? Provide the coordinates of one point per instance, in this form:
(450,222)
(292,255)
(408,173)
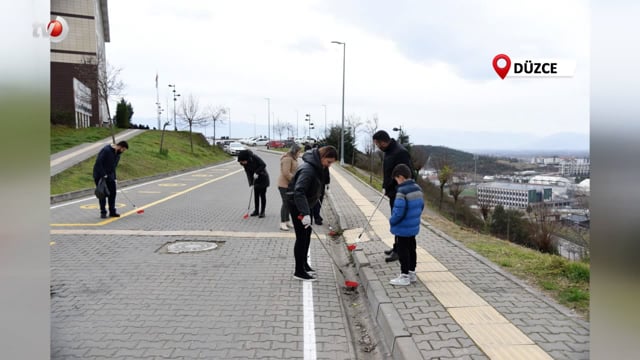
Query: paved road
(67,158)
(116,293)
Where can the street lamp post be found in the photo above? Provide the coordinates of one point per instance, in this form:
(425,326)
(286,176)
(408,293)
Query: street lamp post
(175,97)
(400,134)
(229,113)
(344,51)
(308,119)
(268,117)
(325,120)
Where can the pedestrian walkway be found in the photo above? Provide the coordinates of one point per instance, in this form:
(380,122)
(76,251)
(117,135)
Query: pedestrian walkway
(463,306)
(67,158)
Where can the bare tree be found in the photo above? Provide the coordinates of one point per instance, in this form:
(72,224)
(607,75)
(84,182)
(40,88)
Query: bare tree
(455,189)
(370,128)
(444,174)
(279,128)
(215,113)
(354,122)
(108,82)
(191,114)
(546,224)
(418,158)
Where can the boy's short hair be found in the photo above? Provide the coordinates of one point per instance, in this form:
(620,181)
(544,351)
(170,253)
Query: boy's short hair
(123,144)
(401,170)
(381,135)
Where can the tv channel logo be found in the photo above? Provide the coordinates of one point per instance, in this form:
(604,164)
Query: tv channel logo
(56,30)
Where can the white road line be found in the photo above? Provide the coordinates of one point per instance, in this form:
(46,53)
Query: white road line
(309,323)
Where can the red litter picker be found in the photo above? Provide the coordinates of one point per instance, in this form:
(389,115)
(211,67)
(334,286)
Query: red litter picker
(347,283)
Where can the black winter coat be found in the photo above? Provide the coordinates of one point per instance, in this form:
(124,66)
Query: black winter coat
(394,154)
(255,165)
(106,163)
(307,183)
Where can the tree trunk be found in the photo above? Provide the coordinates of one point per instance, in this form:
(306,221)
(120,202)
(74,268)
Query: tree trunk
(113,131)
(191,137)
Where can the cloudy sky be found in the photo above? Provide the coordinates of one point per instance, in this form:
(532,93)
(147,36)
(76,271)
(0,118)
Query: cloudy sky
(423,65)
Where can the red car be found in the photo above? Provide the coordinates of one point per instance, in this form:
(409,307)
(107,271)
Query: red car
(275,144)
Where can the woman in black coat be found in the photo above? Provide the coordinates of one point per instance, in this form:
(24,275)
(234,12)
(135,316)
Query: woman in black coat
(256,171)
(302,195)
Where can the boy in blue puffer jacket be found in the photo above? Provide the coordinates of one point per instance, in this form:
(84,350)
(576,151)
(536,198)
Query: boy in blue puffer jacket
(405,222)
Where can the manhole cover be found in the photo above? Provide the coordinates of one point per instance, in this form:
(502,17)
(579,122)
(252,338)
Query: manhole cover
(190,246)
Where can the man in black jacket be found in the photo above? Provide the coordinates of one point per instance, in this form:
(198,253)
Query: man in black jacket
(394,154)
(258,177)
(105,167)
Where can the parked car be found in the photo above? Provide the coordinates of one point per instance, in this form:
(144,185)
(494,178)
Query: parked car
(305,140)
(262,141)
(235,148)
(247,141)
(275,144)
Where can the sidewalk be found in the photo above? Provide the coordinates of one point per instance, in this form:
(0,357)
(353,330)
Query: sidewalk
(67,158)
(463,306)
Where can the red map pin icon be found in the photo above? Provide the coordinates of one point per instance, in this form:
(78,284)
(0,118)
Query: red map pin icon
(501,71)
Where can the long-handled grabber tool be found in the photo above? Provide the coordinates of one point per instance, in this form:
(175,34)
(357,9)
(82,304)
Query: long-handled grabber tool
(371,217)
(347,283)
(140,211)
(246,215)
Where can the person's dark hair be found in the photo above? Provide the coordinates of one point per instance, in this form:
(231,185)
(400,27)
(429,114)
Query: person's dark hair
(307,147)
(401,170)
(294,150)
(381,135)
(328,152)
(244,155)
(123,144)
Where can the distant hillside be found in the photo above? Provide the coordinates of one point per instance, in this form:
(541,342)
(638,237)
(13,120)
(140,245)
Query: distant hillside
(462,161)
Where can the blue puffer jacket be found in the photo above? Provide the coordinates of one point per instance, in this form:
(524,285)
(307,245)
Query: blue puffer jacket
(407,209)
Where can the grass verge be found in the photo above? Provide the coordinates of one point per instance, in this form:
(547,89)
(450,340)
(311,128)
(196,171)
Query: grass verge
(144,159)
(63,137)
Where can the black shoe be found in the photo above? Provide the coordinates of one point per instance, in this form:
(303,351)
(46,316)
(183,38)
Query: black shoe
(103,215)
(388,252)
(261,215)
(308,269)
(304,277)
(318,221)
(393,257)
(114,215)
(255,213)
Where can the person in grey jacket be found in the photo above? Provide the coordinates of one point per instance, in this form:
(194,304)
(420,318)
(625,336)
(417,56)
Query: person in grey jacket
(302,194)
(105,168)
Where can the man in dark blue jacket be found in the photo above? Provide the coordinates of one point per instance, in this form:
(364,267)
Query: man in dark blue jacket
(394,154)
(258,177)
(105,168)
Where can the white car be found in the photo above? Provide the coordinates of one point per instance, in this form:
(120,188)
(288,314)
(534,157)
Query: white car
(247,141)
(259,141)
(305,140)
(235,148)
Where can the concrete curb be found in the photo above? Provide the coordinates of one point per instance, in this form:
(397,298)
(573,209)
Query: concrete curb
(54,199)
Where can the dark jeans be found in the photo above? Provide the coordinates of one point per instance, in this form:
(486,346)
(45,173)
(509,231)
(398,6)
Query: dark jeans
(303,239)
(392,198)
(111,185)
(260,193)
(315,212)
(284,209)
(406,248)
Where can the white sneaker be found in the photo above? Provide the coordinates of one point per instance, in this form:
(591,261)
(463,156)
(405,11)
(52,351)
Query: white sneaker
(289,224)
(283,227)
(412,276)
(401,280)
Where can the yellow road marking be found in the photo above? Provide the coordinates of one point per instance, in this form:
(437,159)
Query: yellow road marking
(110,220)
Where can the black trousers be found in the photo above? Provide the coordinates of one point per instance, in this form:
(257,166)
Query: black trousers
(315,212)
(303,239)
(406,248)
(392,198)
(260,195)
(111,185)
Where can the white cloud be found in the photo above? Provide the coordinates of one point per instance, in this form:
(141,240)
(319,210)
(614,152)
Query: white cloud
(417,64)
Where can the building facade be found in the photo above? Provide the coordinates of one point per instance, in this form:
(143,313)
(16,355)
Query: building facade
(512,195)
(78,62)
(576,167)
